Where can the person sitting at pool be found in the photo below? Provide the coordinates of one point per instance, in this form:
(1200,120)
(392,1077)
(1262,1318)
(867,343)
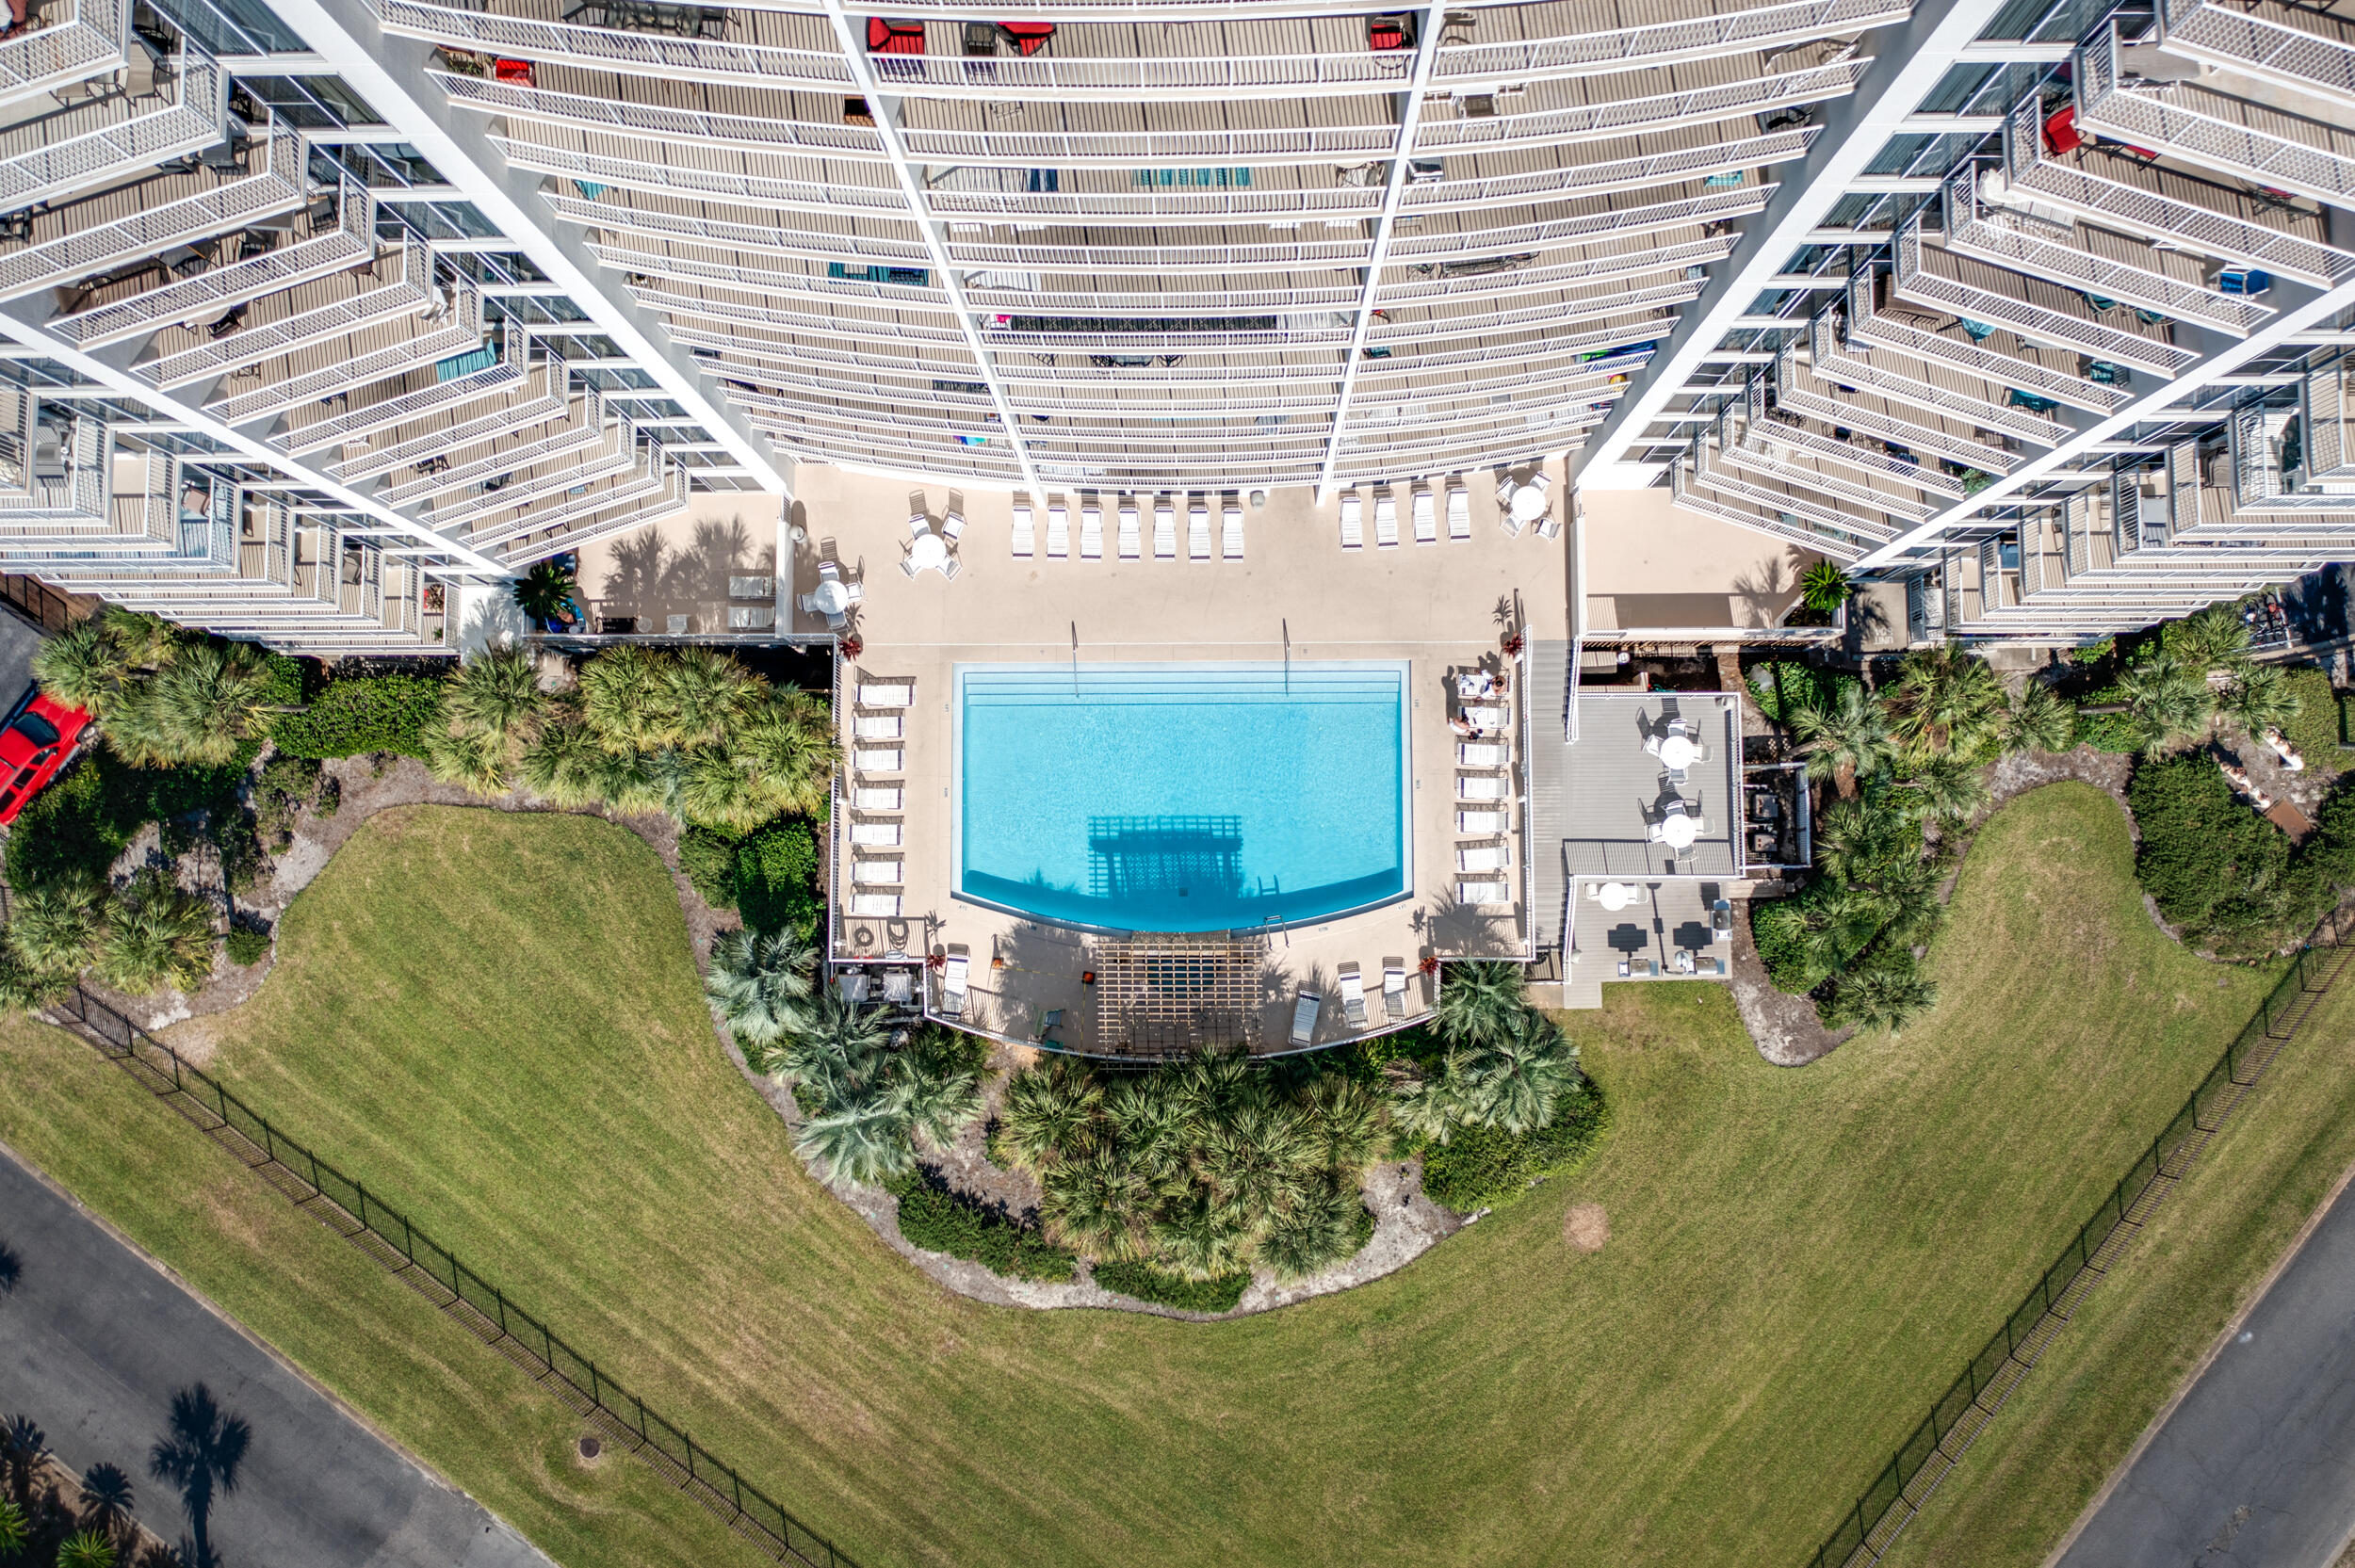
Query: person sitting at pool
(1463,726)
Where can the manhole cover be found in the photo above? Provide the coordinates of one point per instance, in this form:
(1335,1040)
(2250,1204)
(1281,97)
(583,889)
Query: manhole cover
(591,1447)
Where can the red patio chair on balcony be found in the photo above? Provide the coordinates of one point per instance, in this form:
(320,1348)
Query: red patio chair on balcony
(518,72)
(1029,37)
(1396,31)
(894,36)
(2060,130)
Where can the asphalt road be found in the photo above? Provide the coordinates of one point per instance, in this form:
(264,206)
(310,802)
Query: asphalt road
(2255,1468)
(95,1340)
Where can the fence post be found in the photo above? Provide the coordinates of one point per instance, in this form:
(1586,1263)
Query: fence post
(314,1173)
(500,1296)
(408,1246)
(642,1419)
(596,1395)
(363,1216)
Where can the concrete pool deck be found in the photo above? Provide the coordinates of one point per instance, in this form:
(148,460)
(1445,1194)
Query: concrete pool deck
(1296,593)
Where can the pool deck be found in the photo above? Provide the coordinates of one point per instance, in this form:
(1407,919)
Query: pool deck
(1296,593)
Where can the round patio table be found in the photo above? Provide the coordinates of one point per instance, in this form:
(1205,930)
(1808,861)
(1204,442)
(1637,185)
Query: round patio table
(832,597)
(1614,895)
(1678,830)
(1528,504)
(1676,752)
(928,551)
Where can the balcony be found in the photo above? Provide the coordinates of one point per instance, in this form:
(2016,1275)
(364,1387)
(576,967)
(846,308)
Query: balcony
(342,365)
(1624,35)
(1800,391)
(2033,310)
(512,405)
(2024,370)
(1930,387)
(298,319)
(369,413)
(66,41)
(468,465)
(1691,488)
(2303,48)
(184,109)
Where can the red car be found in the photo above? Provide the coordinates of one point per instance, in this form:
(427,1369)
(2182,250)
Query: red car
(41,737)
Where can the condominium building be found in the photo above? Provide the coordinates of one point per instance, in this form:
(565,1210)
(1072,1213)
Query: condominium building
(318,311)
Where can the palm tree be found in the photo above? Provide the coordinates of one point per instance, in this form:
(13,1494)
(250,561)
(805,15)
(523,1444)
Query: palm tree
(622,697)
(1093,1203)
(708,693)
(135,729)
(545,593)
(1149,1122)
(563,765)
(1344,1120)
(791,749)
(1258,1156)
(934,1098)
(1946,702)
(211,699)
(2039,719)
(148,642)
(2259,700)
(1860,836)
(58,925)
(1843,740)
(1200,1235)
(476,762)
(83,667)
(761,985)
(24,1444)
(1823,587)
(200,1455)
(1478,1001)
(1951,788)
(863,1140)
(1319,1231)
(1884,996)
(1513,1084)
(494,695)
(85,1548)
(2167,700)
(1429,1106)
(838,1050)
(712,791)
(2211,638)
(13,1530)
(1049,1112)
(157,936)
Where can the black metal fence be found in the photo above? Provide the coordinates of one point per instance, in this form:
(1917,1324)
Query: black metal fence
(1955,1420)
(622,1415)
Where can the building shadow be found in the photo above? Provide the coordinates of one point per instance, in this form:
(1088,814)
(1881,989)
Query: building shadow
(654,581)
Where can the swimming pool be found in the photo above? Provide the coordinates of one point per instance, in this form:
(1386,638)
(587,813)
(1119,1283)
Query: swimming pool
(1181,797)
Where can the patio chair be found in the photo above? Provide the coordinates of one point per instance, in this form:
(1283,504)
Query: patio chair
(1480,753)
(1353,521)
(885,872)
(1231,531)
(1305,1012)
(879,759)
(875,906)
(1090,530)
(878,726)
(1458,512)
(1394,988)
(1483,857)
(878,797)
(1353,984)
(949,568)
(1480,786)
(953,526)
(1474,894)
(853,593)
(952,982)
(1165,529)
(1487,718)
(919,514)
(1058,530)
(875,835)
(1025,529)
(907,564)
(1479,821)
(807,604)
(1426,517)
(750,618)
(886,694)
(1130,544)
(829,571)
(1049,1021)
(1197,529)
(1385,518)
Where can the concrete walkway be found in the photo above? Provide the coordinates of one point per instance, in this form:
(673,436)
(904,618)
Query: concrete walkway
(2255,1465)
(94,1341)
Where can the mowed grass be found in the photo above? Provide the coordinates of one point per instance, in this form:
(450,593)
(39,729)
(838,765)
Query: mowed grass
(493,1021)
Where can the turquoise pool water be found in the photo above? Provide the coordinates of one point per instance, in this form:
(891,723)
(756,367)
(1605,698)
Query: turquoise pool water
(1181,797)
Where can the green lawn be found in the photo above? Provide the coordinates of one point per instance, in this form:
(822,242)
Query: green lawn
(493,1020)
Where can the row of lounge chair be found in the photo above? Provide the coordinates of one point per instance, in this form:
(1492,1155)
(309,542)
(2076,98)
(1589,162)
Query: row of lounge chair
(878,753)
(1425,516)
(1350,982)
(1484,851)
(1129,539)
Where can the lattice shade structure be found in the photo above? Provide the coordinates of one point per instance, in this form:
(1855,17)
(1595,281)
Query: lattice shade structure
(1164,995)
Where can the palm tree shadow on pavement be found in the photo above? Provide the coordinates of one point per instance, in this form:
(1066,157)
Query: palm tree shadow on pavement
(11,1270)
(200,1455)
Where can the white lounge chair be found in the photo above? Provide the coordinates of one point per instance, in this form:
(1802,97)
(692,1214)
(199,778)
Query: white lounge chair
(1353,521)
(1025,529)
(1385,518)
(1483,857)
(1165,529)
(1197,530)
(875,835)
(878,726)
(1487,718)
(1305,1018)
(880,906)
(1479,821)
(1394,988)
(1480,753)
(1090,530)
(1482,893)
(878,797)
(952,975)
(886,694)
(1353,985)
(1130,544)
(879,759)
(883,871)
(1480,786)
(1458,512)
(1058,530)
(1426,517)
(1231,531)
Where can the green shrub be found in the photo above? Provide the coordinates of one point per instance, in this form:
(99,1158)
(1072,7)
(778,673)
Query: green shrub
(2227,878)
(85,819)
(369,713)
(1481,1167)
(1783,687)
(2107,731)
(247,946)
(2316,730)
(939,1220)
(776,877)
(282,680)
(707,858)
(1148,1284)
(1779,930)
